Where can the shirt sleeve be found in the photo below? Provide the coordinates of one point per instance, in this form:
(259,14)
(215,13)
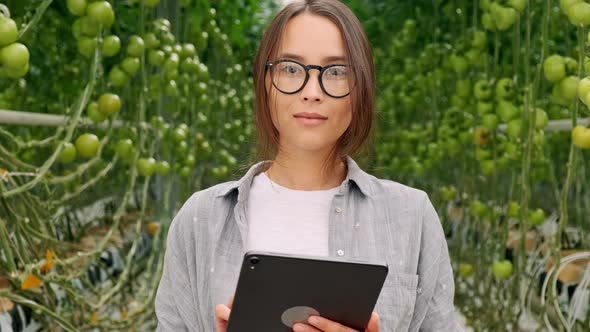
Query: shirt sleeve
(434,310)
(174,303)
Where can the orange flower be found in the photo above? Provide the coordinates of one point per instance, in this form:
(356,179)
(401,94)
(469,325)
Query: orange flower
(49,262)
(152,228)
(30,282)
(123,313)
(94,318)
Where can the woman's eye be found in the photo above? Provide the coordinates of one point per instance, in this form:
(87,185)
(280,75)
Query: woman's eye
(290,69)
(337,72)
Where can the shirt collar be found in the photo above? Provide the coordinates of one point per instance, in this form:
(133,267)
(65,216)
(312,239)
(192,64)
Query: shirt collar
(355,175)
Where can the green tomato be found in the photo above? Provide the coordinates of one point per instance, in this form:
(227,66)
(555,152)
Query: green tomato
(541,119)
(86,46)
(482,90)
(206,148)
(171,63)
(513,209)
(8,31)
(109,104)
(124,148)
(484,107)
(171,89)
(565,4)
(136,46)
(463,88)
(14,56)
(583,89)
(102,12)
(487,167)
(171,75)
(504,88)
(514,128)
(479,40)
(554,68)
(94,114)
(506,110)
(459,64)
(179,134)
(478,209)
(146,166)
(581,137)
(539,138)
(568,88)
(188,51)
(181,148)
(163,168)
(130,65)
(185,172)
(557,98)
(77,7)
(503,17)
(151,3)
(449,193)
(579,14)
(68,153)
(14,72)
(117,77)
(190,160)
(502,269)
(151,41)
(88,26)
(518,5)
(111,45)
(465,270)
(76,29)
(490,121)
(156,57)
(488,22)
(571,64)
(87,145)
(203,72)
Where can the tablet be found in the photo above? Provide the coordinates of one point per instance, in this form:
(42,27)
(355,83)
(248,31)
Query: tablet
(277,290)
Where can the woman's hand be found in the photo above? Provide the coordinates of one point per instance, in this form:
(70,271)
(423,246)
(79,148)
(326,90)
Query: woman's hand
(222,315)
(320,324)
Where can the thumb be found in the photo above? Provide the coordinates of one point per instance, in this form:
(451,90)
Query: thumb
(373,323)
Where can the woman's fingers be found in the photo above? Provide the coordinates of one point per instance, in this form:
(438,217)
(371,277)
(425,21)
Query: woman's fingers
(221,317)
(300,327)
(373,325)
(326,325)
(222,312)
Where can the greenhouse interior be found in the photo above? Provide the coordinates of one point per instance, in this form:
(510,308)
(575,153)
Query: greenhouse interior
(117,115)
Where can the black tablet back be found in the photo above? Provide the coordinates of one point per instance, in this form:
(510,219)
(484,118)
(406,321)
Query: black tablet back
(276,290)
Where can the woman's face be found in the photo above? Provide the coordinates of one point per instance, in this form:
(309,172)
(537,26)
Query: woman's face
(310,39)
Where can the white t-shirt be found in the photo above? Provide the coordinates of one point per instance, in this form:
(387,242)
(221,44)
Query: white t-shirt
(286,220)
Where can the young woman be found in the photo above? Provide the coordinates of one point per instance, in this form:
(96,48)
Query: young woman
(314,82)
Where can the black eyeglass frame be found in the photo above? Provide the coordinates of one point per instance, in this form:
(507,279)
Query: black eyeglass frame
(270,64)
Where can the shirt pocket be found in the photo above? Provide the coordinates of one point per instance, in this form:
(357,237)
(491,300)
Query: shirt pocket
(396,302)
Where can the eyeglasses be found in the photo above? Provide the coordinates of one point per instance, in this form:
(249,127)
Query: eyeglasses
(290,77)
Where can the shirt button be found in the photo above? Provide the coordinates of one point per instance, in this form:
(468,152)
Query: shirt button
(338,210)
(340,252)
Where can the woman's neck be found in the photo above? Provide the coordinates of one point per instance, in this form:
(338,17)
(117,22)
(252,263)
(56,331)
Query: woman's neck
(306,171)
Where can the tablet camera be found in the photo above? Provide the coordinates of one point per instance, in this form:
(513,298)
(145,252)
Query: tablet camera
(254,260)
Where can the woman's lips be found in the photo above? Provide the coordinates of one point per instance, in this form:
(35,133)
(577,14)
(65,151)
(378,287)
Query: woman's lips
(310,119)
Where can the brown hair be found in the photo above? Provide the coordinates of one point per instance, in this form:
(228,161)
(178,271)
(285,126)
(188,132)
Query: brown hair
(357,47)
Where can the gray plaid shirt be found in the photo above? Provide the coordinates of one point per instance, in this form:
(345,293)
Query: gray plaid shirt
(370,219)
